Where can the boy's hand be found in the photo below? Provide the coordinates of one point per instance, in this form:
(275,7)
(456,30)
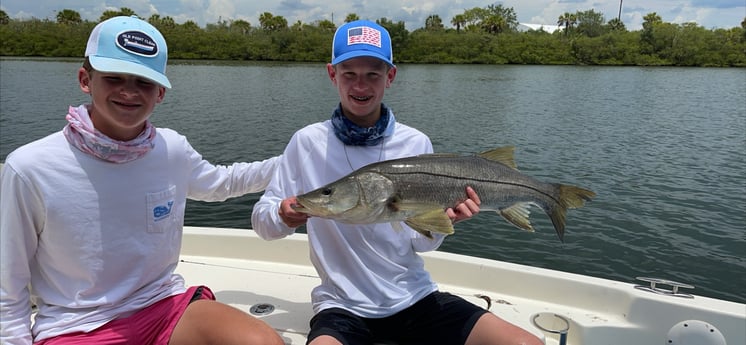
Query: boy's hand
(288,214)
(466,209)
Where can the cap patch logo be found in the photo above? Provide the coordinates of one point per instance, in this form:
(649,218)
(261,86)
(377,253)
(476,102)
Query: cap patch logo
(137,42)
(364,34)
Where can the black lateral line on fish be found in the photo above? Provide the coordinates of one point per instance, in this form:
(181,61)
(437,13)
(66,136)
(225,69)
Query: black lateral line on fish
(478,180)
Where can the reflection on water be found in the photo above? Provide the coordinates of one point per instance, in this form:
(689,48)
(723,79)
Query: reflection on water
(662,147)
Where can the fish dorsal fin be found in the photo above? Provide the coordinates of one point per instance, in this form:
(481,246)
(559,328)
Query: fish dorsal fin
(517,214)
(435,220)
(503,155)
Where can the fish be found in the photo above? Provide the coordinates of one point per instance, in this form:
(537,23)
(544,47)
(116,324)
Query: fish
(416,190)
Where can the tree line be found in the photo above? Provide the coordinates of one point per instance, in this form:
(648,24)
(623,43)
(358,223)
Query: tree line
(488,35)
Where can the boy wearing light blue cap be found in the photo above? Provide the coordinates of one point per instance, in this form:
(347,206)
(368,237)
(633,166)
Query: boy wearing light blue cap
(91,216)
(374,286)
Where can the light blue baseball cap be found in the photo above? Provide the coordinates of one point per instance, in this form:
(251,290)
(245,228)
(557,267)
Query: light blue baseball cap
(362,38)
(129,45)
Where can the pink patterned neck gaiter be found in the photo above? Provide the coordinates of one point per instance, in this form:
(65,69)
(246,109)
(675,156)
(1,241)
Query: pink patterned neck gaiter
(80,133)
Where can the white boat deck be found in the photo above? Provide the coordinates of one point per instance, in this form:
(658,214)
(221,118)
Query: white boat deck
(244,270)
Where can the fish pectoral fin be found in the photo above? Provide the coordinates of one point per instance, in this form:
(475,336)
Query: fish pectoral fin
(435,220)
(517,214)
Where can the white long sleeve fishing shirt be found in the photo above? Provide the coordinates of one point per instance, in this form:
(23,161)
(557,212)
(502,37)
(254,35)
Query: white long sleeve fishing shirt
(97,240)
(371,270)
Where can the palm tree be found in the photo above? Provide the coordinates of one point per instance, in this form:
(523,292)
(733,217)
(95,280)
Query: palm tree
(616,25)
(270,22)
(123,11)
(67,16)
(568,20)
(494,24)
(433,22)
(241,26)
(458,21)
(351,17)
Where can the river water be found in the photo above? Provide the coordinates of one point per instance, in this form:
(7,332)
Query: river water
(664,149)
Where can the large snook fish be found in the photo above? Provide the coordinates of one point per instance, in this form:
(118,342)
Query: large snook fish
(418,189)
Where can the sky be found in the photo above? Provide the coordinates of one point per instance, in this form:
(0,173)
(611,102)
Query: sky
(708,13)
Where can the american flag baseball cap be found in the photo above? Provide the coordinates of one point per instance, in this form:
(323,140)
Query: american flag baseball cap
(129,45)
(362,38)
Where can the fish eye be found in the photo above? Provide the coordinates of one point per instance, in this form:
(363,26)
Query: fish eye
(327,191)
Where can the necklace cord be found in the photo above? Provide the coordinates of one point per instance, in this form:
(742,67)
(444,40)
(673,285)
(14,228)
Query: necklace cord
(380,154)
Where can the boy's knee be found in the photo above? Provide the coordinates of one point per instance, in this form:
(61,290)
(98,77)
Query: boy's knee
(264,336)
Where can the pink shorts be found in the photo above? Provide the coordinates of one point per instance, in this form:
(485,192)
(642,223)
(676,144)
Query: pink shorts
(152,325)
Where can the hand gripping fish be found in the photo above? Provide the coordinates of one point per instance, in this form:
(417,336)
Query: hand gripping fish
(417,190)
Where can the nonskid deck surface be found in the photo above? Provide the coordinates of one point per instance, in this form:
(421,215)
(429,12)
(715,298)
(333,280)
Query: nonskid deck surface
(276,278)
(284,290)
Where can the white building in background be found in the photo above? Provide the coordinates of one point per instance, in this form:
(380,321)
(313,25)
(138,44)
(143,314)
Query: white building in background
(546,27)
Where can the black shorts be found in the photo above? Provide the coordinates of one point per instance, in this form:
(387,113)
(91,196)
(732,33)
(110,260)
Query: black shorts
(439,318)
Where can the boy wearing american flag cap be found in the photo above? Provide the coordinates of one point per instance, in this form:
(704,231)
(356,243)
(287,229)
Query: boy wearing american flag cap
(374,286)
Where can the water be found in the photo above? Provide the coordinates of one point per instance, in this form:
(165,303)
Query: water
(664,148)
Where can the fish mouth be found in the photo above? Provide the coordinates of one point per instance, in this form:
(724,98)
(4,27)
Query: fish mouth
(298,207)
(310,210)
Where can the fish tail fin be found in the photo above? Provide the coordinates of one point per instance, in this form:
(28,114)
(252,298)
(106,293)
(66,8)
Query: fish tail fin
(569,197)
